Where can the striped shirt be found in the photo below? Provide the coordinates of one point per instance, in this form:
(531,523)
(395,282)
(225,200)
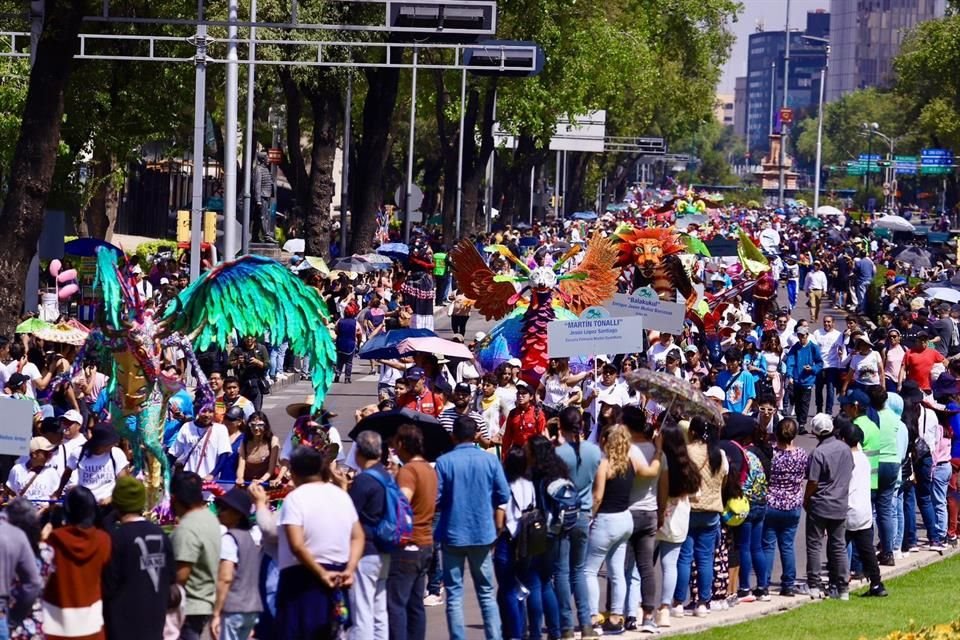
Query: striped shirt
(448,416)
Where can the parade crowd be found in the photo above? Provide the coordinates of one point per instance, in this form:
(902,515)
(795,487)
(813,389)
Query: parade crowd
(552,494)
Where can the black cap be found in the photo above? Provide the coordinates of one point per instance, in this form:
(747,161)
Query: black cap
(234,413)
(237,499)
(463,387)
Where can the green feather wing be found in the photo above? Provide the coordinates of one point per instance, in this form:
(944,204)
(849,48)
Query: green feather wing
(252,296)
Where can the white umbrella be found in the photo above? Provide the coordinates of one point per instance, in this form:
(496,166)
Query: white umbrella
(295,245)
(827,210)
(943,293)
(894,223)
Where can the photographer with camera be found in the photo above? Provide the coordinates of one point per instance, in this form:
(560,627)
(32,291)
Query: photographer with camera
(250,361)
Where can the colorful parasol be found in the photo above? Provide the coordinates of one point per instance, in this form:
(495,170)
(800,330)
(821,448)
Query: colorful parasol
(32,325)
(63,333)
(676,394)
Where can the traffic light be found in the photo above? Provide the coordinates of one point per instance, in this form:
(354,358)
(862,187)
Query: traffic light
(210,226)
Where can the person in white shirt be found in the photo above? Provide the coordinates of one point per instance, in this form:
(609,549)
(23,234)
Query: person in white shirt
(832,349)
(19,364)
(815,286)
(98,464)
(657,353)
(607,390)
(143,287)
(859,509)
(34,479)
(72,443)
(200,444)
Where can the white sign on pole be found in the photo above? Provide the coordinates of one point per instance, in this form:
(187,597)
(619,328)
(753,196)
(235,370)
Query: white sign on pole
(583,133)
(657,314)
(571,338)
(16,428)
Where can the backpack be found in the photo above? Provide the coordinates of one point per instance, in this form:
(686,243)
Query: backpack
(561,503)
(395,529)
(753,479)
(531,537)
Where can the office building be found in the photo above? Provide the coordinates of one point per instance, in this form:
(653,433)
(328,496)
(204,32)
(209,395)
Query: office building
(723,109)
(740,107)
(866,36)
(765,81)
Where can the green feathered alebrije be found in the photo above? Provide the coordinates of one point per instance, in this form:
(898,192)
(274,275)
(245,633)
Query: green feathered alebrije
(253,296)
(105,281)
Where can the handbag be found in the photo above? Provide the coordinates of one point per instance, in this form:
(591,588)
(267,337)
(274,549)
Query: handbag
(676,520)
(921,450)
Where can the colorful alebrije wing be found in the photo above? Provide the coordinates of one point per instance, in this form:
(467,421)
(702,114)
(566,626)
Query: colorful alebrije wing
(594,280)
(255,295)
(751,257)
(106,281)
(477,282)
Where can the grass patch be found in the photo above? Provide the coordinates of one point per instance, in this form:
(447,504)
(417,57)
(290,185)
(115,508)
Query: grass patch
(925,596)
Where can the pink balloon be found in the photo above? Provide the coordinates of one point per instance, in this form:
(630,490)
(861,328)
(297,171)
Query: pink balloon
(55,267)
(67,276)
(68,291)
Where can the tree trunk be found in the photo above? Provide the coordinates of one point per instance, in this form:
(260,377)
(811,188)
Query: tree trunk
(575,185)
(292,163)
(367,186)
(327,114)
(34,158)
(99,216)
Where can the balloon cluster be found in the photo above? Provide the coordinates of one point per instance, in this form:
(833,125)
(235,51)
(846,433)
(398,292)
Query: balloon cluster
(63,278)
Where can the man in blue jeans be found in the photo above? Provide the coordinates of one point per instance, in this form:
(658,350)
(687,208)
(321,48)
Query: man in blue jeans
(582,459)
(469,526)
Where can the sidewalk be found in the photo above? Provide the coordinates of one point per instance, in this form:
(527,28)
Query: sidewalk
(778,604)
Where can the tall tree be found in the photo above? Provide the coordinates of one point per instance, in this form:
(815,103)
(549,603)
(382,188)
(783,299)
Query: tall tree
(34,158)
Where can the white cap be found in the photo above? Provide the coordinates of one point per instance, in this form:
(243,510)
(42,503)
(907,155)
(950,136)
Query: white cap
(137,269)
(72,416)
(479,336)
(715,393)
(514,362)
(822,423)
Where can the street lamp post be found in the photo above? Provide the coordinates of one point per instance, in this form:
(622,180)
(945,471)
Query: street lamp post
(818,168)
(786,91)
(869,129)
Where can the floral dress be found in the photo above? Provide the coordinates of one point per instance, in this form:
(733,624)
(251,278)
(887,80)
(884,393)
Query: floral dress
(32,626)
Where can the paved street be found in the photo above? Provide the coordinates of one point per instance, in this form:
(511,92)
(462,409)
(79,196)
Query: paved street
(345,399)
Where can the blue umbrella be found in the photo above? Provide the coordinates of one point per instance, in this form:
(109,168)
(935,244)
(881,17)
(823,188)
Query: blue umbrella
(383,346)
(585,215)
(396,250)
(87,247)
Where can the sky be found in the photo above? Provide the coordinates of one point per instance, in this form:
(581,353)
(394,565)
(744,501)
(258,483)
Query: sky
(772,13)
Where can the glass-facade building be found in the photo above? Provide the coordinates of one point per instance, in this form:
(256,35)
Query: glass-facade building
(866,36)
(765,80)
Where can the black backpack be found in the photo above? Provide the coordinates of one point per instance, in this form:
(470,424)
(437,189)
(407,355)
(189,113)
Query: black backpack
(530,540)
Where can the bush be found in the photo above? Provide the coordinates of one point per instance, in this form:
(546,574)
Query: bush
(949,631)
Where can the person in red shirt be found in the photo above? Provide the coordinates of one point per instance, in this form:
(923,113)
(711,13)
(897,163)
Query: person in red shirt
(419,398)
(524,421)
(919,362)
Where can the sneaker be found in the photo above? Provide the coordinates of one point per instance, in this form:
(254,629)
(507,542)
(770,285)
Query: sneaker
(745,596)
(815,593)
(631,624)
(690,608)
(787,592)
(568,635)
(678,611)
(763,595)
(845,596)
(433,600)
(913,549)
(886,560)
(898,555)
(876,591)
(701,611)
(588,634)
(612,628)
(663,617)
(649,626)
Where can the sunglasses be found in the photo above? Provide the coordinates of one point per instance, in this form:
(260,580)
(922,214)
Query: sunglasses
(254,425)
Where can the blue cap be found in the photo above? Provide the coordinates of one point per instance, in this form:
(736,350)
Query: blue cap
(855,397)
(415,373)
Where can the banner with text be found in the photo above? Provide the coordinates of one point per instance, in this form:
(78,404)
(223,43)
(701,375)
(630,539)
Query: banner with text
(16,428)
(571,338)
(657,314)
